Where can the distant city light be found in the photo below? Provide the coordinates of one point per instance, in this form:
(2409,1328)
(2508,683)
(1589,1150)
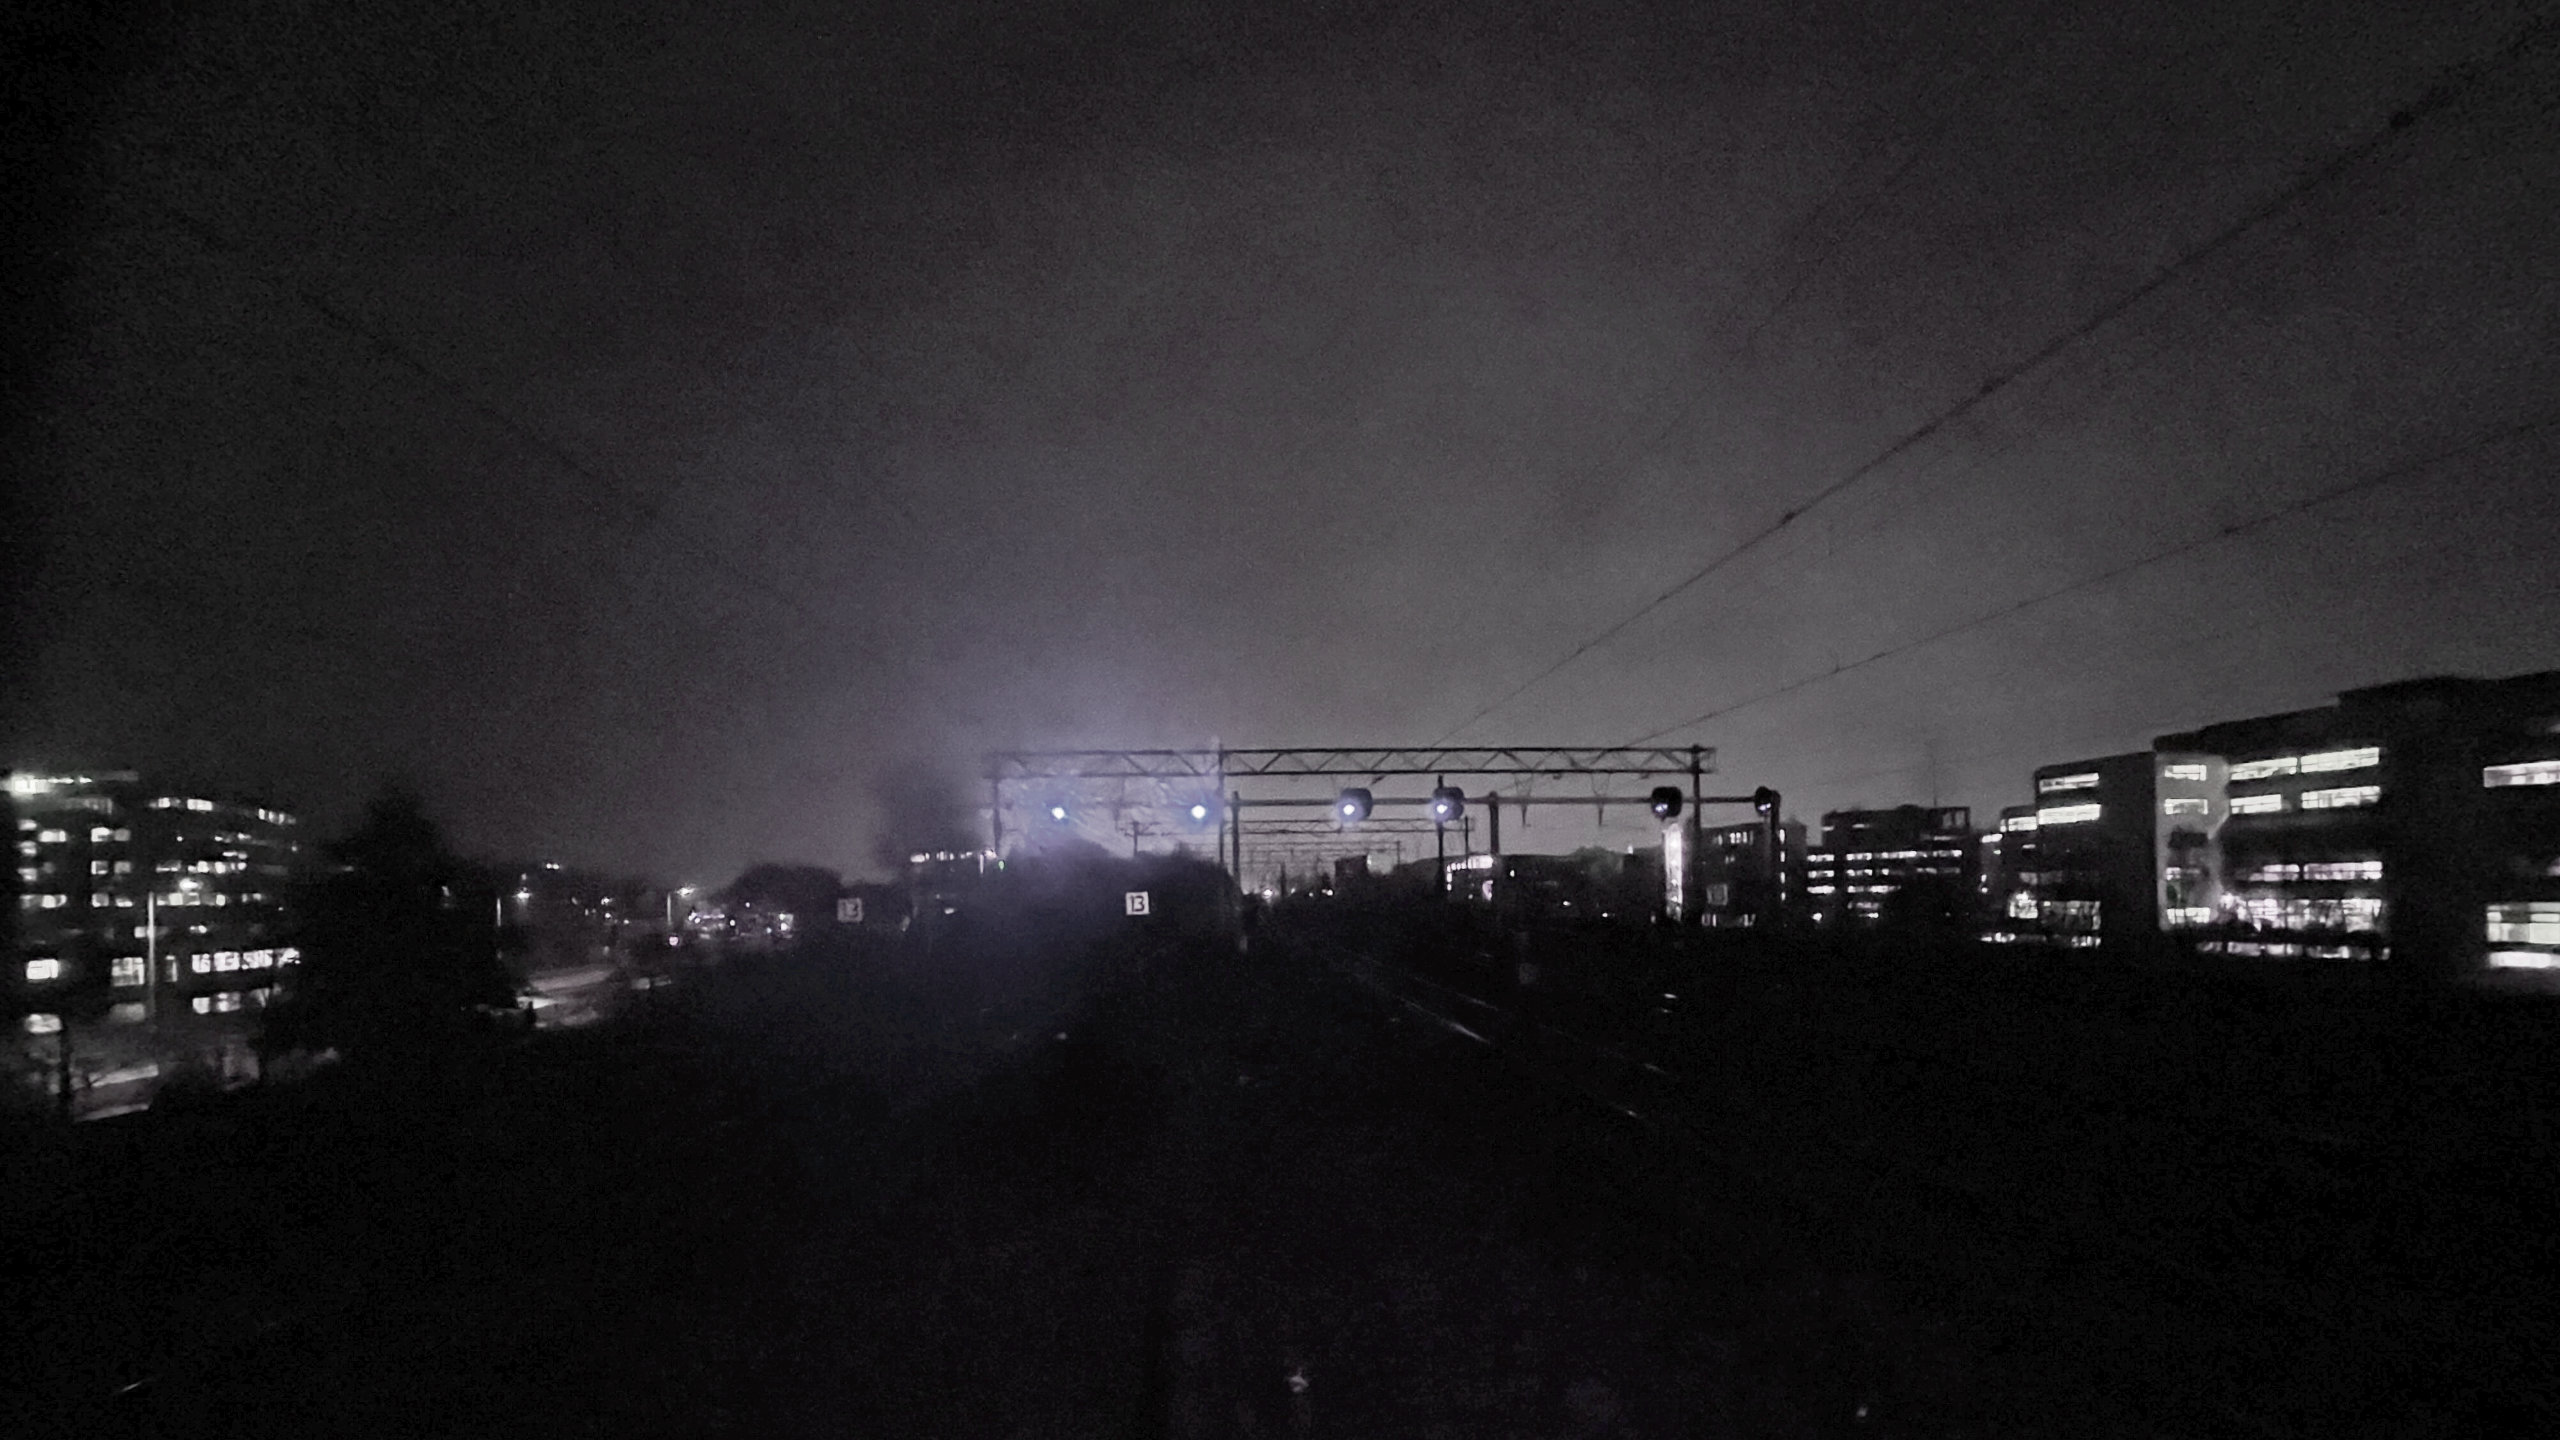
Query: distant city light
(1058,813)
(1199,811)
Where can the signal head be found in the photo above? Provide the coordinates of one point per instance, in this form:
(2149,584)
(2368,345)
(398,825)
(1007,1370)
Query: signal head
(1666,802)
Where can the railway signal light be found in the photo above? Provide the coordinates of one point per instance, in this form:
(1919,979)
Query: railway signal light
(1352,806)
(1666,802)
(1765,800)
(1058,813)
(1447,804)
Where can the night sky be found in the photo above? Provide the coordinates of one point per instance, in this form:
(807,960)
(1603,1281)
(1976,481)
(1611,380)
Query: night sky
(648,426)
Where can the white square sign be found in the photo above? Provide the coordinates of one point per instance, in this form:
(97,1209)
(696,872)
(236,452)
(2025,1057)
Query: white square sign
(1136,900)
(849,910)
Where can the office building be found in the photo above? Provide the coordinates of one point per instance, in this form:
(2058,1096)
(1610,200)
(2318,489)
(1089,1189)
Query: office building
(135,900)
(2418,821)
(1868,855)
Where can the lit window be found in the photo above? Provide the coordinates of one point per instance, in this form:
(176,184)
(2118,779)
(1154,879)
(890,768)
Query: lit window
(2262,769)
(2055,784)
(53,837)
(2527,772)
(2327,760)
(100,835)
(200,964)
(2342,870)
(2256,804)
(2019,822)
(2068,814)
(2184,915)
(2532,923)
(41,970)
(2345,797)
(199,804)
(2022,906)
(288,955)
(227,1001)
(127,1012)
(226,960)
(203,1005)
(2185,805)
(125,970)
(44,1024)
(2187,771)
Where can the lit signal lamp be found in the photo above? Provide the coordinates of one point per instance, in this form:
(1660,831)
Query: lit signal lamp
(1447,804)
(1058,813)
(1666,802)
(1199,811)
(1352,806)
(1765,800)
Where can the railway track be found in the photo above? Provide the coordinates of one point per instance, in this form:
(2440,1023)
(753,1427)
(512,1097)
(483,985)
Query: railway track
(1847,1181)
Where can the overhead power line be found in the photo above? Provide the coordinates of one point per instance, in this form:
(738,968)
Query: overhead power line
(2403,471)
(649,508)
(2450,85)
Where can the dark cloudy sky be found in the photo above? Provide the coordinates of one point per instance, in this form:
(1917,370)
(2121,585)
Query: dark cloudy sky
(942,376)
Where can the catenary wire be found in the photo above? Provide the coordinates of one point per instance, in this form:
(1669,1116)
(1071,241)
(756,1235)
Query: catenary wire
(2450,85)
(2403,471)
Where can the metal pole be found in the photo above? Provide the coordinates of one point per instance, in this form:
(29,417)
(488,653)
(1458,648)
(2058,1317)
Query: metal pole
(1440,858)
(995,814)
(151,951)
(1493,824)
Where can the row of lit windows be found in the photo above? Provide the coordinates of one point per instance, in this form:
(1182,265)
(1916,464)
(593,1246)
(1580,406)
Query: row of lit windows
(101,835)
(2185,805)
(2018,822)
(2315,870)
(2344,797)
(2535,922)
(2187,770)
(2293,950)
(2525,772)
(2067,815)
(226,961)
(2056,784)
(2317,763)
(2353,912)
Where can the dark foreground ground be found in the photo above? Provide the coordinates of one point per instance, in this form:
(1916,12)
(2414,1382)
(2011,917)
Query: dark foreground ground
(1251,1196)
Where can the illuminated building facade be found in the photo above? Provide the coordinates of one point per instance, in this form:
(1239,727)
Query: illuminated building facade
(115,875)
(2009,878)
(1741,882)
(2110,849)
(1868,855)
(2418,821)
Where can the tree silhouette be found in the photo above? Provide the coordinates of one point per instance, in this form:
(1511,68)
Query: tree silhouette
(398,950)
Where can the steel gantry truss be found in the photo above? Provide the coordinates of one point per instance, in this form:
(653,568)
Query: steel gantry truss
(1215,772)
(1344,762)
